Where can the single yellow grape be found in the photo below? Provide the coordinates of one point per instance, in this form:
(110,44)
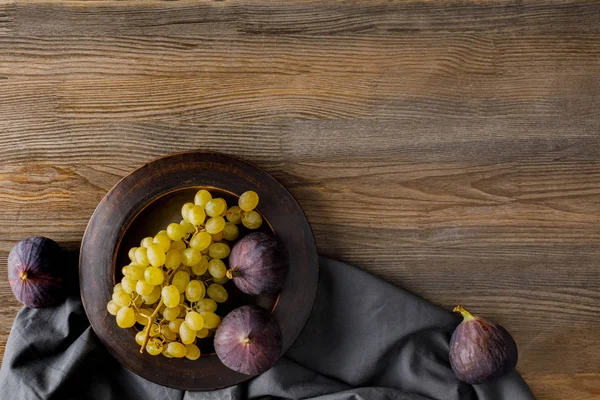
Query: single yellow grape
(126,318)
(163,240)
(202,197)
(185,210)
(194,321)
(154,276)
(113,308)
(215,225)
(175,324)
(153,297)
(138,301)
(186,333)
(248,200)
(216,268)
(231,231)
(170,296)
(176,350)
(196,215)
(181,280)
(201,267)
(178,245)
(211,320)
(221,281)
(170,314)
(142,317)
(187,227)
(168,333)
(154,347)
(251,219)
(192,352)
(141,258)
(147,241)
(175,231)
(234,215)
(215,207)
(217,237)
(173,259)
(190,257)
(128,284)
(202,333)
(217,293)
(121,298)
(144,288)
(219,251)
(131,254)
(166,353)
(139,337)
(117,288)
(156,255)
(194,291)
(200,241)
(206,305)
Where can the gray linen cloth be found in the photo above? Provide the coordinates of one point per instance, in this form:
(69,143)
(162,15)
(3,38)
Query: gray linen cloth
(365,340)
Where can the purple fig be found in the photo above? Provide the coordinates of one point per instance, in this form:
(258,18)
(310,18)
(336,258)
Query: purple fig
(259,264)
(481,351)
(35,272)
(248,340)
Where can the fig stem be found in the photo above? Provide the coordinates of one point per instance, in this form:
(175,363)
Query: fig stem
(23,275)
(231,273)
(466,315)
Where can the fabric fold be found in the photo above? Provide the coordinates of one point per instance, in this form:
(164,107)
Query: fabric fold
(365,339)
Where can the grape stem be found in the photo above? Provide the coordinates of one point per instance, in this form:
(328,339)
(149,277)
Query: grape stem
(151,317)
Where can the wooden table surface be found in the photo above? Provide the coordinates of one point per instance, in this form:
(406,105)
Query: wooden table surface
(452,148)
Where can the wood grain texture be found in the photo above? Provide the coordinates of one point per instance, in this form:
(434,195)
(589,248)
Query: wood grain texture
(452,148)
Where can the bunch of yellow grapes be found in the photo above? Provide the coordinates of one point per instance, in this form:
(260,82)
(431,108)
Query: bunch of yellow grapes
(173,285)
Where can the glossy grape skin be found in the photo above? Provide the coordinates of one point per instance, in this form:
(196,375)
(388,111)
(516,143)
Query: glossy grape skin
(200,241)
(175,231)
(186,333)
(217,293)
(154,347)
(190,257)
(175,324)
(231,231)
(125,317)
(202,333)
(170,295)
(141,257)
(152,297)
(143,288)
(201,267)
(181,280)
(121,299)
(178,245)
(194,320)
(248,200)
(215,207)
(176,350)
(173,259)
(147,241)
(162,239)
(185,209)
(202,197)
(217,268)
(131,254)
(195,291)
(251,219)
(234,215)
(154,276)
(218,250)
(113,308)
(206,305)
(215,225)
(196,215)
(192,352)
(128,285)
(211,320)
(170,314)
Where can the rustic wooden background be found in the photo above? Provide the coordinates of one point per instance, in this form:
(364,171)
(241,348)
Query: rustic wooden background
(452,148)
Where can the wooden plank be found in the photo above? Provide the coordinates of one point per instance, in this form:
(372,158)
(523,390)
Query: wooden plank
(452,149)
